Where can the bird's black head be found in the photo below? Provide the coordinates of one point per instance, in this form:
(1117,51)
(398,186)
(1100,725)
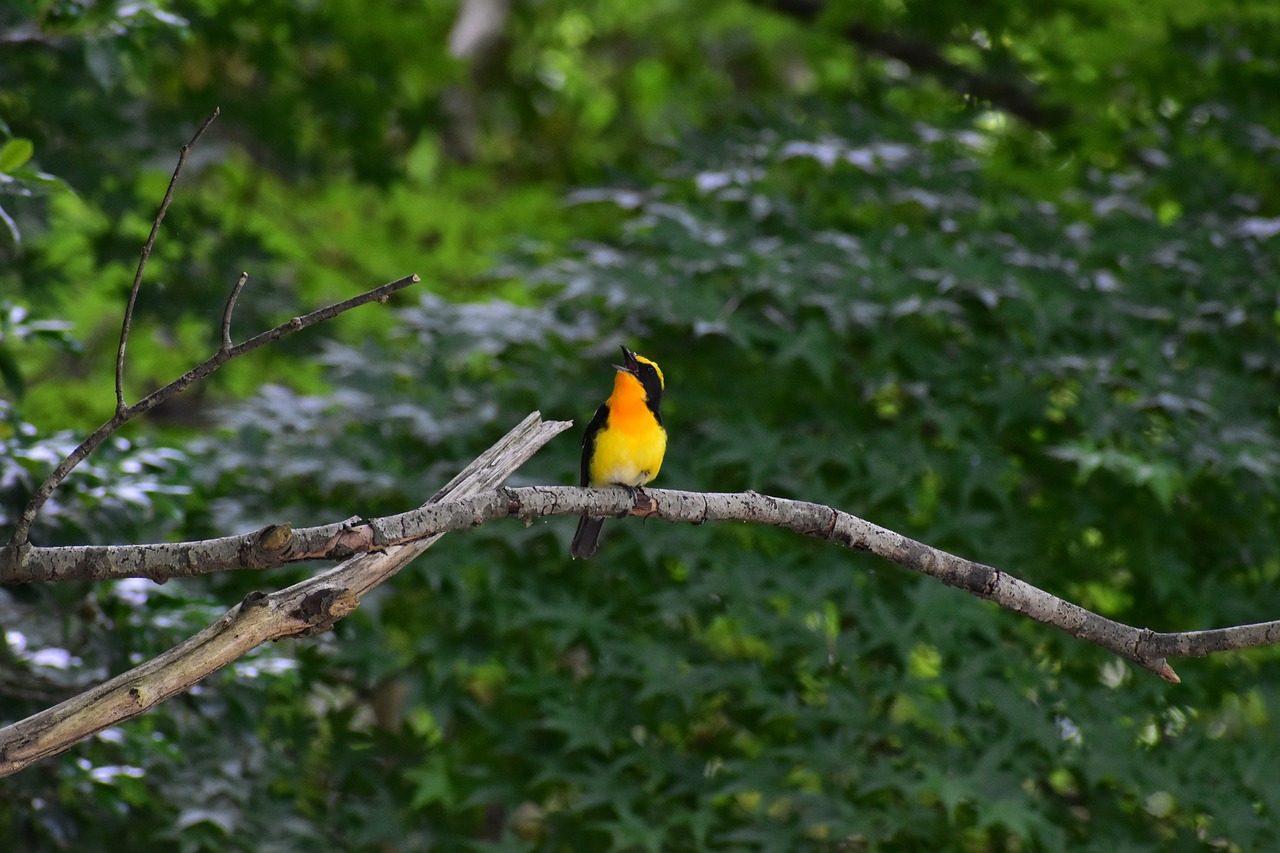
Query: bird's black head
(649,374)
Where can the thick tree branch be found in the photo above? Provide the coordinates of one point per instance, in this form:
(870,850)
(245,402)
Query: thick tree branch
(18,543)
(281,544)
(303,609)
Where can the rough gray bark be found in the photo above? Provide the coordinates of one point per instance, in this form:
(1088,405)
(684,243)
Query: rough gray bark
(305,608)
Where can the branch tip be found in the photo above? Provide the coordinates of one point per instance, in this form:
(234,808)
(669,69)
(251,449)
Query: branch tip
(230,309)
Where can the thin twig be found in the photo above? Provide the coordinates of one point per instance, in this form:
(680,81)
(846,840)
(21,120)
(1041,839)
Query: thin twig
(146,255)
(22,533)
(378,294)
(230,309)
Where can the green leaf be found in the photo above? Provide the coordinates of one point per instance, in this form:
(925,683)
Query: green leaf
(14,154)
(431,783)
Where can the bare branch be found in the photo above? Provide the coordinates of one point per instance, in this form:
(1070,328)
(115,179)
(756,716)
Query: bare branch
(378,294)
(146,255)
(280,544)
(230,309)
(305,608)
(22,532)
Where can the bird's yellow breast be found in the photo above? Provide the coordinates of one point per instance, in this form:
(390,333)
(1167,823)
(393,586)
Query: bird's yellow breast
(630,447)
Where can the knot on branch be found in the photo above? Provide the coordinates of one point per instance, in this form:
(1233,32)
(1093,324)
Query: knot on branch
(267,546)
(1142,653)
(320,610)
(276,537)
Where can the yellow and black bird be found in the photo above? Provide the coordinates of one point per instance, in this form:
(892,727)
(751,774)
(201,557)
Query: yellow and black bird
(625,442)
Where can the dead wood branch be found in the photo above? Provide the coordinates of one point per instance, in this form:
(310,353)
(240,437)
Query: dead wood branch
(303,609)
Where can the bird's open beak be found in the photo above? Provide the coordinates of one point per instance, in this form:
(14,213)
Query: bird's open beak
(629,363)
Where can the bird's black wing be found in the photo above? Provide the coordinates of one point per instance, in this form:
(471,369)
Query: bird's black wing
(589,441)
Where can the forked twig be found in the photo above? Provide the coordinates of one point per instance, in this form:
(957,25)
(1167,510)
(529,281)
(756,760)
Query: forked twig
(146,255)
(226,351)
(22,533)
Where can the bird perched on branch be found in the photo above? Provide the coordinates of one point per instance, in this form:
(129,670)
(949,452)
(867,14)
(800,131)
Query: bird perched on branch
(625,442)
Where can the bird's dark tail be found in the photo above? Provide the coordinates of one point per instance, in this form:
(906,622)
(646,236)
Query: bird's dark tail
(587,537)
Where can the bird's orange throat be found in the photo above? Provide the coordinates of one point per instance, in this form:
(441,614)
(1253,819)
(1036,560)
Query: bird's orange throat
(627,391)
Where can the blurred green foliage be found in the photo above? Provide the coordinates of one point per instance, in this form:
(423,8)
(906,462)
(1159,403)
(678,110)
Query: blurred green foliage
(1049,343)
